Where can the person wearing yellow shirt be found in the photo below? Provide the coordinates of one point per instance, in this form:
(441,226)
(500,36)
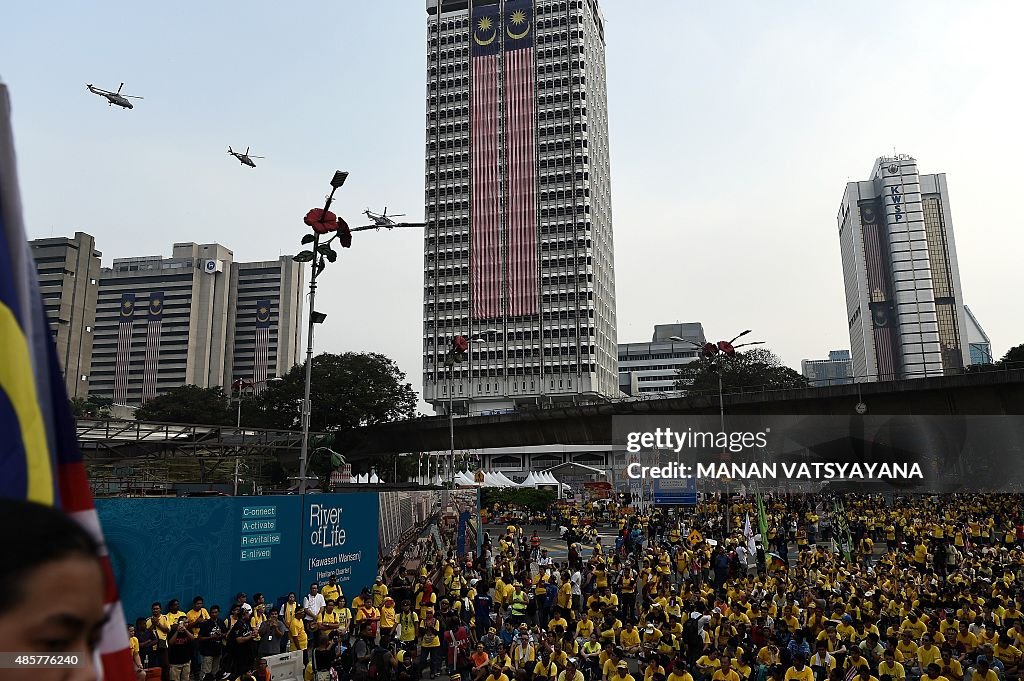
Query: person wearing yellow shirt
(907,646)
(621,673)
(379,591)
(951,667)
(679,672)
(496,674)
(297,634)
(965,640)
(928,653)
(725,672)
(556,621)
(545,668)
(890,666)
(768,656)
(914,625)
(388,618)
(799,671)
(585,627)
(653,668)
(331,590)
(629,639)
(983,670)
(822,663)
(197,615)
(854,660)
(709,662)
(1008,654)
(864,674)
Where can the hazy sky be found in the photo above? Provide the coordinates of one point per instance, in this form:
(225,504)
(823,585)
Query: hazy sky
(734,127)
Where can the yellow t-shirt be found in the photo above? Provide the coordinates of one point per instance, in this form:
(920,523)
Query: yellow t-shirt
(297,631)
(804,674)
(897,671)
(721,675)
(387,618)
(331,593)
(196,615)
(927,657)
(628,639)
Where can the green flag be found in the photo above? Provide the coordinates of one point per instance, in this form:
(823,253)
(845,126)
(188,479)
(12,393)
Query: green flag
(762,519)
(841,529)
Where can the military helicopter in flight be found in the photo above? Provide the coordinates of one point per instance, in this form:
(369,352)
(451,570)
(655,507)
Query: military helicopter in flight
(382,219)
(245,159)
(113,97)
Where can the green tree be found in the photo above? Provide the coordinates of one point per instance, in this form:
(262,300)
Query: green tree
(348,391)
(91,407)
(189,404)
(754,368)
(1014,357)
(533,499)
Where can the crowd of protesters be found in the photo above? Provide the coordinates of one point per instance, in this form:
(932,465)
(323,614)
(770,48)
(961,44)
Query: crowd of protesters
(918,587)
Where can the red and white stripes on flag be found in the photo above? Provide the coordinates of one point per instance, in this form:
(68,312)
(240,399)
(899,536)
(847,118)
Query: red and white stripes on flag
(123,358)
(485,197)
(261,358)
(149,374)
(520,159)
(39,456)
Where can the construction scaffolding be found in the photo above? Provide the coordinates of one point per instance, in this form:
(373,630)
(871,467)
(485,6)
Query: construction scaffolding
(140,458)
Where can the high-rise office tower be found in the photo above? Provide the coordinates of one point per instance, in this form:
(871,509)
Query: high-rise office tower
(904,303)
(69,272)
(518,245)
(266,335)
(196,318)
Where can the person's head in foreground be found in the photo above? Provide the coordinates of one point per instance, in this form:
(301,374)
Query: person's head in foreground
(46,552)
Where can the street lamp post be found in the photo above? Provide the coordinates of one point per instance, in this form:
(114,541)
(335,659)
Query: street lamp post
(457,353)
(323,222)
(716,354)
(336,182)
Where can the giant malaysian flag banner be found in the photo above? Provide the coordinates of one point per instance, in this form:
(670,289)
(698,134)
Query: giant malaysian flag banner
(485,195)
(520,158)
(39,456)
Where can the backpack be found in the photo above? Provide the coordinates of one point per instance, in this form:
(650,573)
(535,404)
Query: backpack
(691,631)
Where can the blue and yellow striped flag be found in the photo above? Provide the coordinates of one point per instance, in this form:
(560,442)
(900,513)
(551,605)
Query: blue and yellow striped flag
(39,456)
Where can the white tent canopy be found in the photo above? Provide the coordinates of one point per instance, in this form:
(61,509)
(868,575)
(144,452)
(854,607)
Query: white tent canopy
(530,481)
(506,482)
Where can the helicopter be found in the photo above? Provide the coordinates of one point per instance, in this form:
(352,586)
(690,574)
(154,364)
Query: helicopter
(245,159)
(113,97)
(382,219)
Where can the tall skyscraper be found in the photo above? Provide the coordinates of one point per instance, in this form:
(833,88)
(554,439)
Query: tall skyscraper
(904,303)
(69,272)
(518,245)
(196,318)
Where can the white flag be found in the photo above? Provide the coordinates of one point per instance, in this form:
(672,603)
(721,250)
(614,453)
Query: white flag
(748,534)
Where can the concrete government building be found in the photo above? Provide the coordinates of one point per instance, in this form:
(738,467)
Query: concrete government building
(518,244)
(152,323)
(69,273)
(904,302)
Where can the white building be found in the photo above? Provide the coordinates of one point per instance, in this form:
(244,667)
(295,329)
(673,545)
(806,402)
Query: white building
(646,368)
(518,244)
(836,370)
(904,302)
